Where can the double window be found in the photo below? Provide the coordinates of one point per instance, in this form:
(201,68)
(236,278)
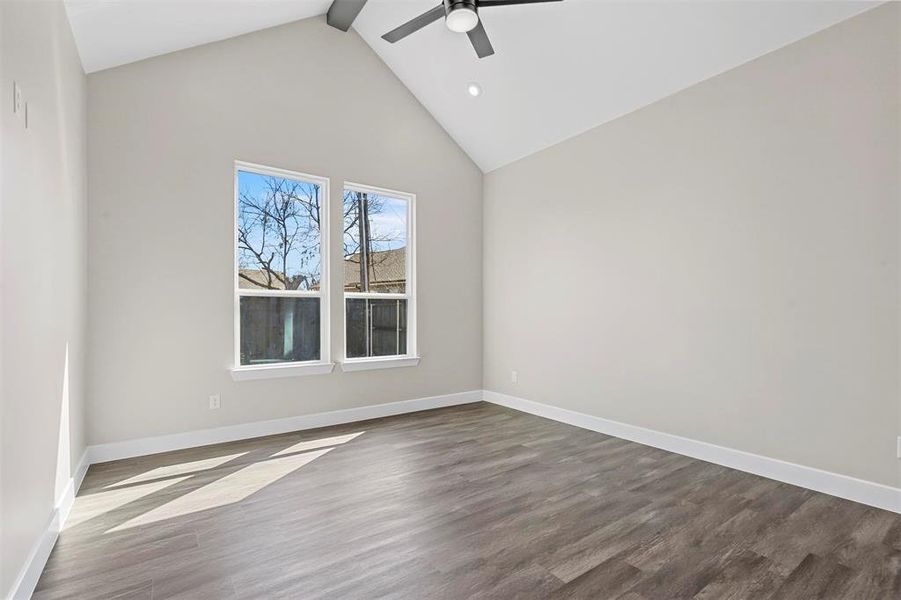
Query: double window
(281,274)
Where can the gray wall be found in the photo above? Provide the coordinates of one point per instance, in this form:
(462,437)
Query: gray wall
(163,135)
(42,262)
(721,265)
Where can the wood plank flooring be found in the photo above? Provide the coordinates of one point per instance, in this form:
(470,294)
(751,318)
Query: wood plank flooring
(475,501)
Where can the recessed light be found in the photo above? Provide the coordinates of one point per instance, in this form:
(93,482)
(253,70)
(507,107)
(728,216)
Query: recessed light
(474,89)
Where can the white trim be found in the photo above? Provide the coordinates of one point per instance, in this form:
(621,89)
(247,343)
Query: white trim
(280,293)
(323,292)
(379,191)
(27,579)
(375,295)
(295,369)
(410,265)
(203,437)
(850,488)
(834,484)
(275,171)
(378,362)
(64,503)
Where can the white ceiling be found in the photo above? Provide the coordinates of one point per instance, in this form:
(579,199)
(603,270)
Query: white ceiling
(560,68)
(110,33)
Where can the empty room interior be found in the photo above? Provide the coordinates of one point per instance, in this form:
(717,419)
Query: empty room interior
(450,299)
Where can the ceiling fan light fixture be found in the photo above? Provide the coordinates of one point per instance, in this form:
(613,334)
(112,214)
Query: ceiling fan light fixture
(461,19)
(460,16)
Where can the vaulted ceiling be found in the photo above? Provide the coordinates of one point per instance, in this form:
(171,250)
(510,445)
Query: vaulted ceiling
(560,68)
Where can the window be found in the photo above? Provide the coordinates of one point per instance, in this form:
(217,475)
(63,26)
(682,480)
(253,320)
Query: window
(281,258)
(379,291)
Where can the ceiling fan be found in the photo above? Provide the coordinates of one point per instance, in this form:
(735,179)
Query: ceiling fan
(460,16)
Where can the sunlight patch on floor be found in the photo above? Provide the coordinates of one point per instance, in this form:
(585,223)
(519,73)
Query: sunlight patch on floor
(232,488)
(177,469)
(94,505)
(320,443)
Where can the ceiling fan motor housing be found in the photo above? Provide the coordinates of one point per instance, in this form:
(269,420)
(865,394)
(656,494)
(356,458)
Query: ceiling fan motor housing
(452,5)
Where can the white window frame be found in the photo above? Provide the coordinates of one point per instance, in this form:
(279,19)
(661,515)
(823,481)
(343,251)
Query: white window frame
(287,369)
(411,358)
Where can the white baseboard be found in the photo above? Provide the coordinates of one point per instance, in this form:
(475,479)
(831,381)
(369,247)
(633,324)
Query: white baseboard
(865,492)
(31,571)
(850,488)
(192,439)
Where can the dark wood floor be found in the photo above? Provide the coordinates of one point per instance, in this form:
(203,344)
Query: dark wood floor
(475,501)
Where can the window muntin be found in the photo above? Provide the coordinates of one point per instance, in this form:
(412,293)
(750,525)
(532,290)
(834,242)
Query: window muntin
(281,292)
(379,305)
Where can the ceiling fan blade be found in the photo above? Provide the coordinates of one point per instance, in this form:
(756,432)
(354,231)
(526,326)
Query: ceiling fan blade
(415,24)
(486,3)
(341,13)
(480,41)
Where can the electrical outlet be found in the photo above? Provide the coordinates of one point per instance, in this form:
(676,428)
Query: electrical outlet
(18,101)
(514,376)
(214,402)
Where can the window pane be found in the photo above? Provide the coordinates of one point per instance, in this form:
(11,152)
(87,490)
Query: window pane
(376,327)
(280,329)
(375,243)
(278,233)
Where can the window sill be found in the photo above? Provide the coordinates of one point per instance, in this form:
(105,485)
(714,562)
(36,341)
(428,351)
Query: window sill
(365,364)
(249,372)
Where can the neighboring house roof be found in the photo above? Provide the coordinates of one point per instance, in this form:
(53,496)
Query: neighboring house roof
(259,279)
(387,268)
(387,273)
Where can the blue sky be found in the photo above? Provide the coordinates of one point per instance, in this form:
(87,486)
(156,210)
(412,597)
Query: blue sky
(305,258)
(390,224)
(388,229)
